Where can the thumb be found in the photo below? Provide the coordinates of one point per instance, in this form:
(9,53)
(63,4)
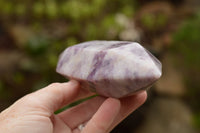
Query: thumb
(53,97)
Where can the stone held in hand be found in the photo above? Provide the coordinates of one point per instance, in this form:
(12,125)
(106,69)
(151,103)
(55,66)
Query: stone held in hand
(110,68)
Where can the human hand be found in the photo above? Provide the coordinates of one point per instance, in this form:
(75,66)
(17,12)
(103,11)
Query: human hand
(34,113)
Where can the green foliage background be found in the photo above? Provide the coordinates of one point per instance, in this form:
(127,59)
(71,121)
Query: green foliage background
(41,29)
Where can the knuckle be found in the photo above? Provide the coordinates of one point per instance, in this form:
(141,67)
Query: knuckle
(30,98)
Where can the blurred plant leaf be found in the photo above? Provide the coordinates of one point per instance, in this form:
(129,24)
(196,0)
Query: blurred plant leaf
(196,120)
(18,78)
(20,9)
(74,104)
(187,42)
(51,8)
(154,22)
(37,45)
(7,8)
(38,8)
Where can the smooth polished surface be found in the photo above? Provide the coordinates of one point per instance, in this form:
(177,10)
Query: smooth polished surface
(110,68)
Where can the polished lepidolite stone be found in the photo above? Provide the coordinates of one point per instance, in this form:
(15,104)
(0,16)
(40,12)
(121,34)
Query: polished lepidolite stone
(110,68)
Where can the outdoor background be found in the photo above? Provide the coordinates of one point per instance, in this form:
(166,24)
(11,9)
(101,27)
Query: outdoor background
(34,32)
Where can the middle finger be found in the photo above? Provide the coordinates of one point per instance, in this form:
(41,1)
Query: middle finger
(82,112)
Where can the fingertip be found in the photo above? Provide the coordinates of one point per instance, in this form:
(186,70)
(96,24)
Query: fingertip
(142,97)
(115,102)
(131,103)
(57,95)
(73,83)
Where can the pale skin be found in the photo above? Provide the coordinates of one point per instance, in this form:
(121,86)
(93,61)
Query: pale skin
(34,113)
